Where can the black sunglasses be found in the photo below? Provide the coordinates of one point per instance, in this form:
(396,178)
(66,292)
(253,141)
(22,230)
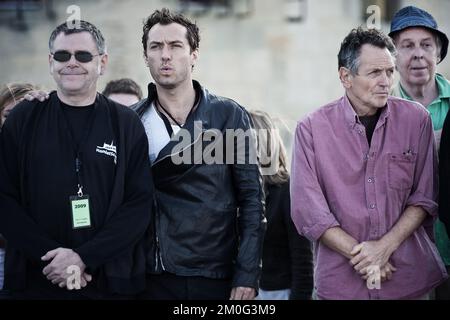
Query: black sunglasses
(80,56)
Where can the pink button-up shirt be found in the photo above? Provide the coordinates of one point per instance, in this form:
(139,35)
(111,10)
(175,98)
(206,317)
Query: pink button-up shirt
(338,180)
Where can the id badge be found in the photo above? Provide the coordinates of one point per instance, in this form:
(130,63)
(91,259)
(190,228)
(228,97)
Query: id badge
(81,214)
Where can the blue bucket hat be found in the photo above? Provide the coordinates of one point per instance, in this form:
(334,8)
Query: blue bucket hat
(414,17)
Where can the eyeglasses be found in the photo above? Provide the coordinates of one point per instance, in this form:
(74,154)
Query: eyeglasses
(80,56)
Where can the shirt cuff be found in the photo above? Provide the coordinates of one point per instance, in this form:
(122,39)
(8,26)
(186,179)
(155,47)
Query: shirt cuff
(315,232)
(419,200)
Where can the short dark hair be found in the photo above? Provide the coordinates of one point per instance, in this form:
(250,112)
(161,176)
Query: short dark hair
(165,17)
(124,85)
(350,51)
(79,26)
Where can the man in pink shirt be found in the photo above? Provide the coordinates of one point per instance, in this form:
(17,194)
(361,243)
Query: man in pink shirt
(364,183)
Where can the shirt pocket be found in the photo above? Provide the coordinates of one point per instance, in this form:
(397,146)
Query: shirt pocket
(401,170)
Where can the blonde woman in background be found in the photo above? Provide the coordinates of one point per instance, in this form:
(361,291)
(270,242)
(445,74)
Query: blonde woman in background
(287,272)
(10,95)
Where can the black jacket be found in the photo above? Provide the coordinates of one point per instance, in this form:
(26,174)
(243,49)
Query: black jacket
(37,177)
(287,256)
(198,230)
(444,175)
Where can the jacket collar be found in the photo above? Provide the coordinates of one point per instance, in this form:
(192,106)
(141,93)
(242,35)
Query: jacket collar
(192,130)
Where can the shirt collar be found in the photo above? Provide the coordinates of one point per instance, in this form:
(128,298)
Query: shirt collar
(352,118)
(443,86)
(443,89)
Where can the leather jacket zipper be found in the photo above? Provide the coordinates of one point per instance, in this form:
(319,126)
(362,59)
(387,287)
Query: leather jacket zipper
(158,257)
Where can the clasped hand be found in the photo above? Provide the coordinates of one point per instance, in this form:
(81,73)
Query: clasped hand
(57,271)
(369,254)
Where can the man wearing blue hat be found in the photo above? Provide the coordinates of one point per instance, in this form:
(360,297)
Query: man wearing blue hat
(421,46)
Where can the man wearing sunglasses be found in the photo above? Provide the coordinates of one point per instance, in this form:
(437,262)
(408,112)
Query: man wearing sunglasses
(75,183)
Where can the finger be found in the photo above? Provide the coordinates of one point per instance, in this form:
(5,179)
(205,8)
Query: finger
(62,284)
(28,97)
(239,294)
(52,277)
(50,255)
(388,275)
(42,95)
(54,273)
(232,294)
(361,265)
(245,294)
(356,249)
(58,280)
(248,294)
(364,271)
(46,270)
(356,259)
(389,268)
(392,267)
(384,277)
(87,277)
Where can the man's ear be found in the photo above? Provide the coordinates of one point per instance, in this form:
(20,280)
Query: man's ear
(194,57)
(346,77)
(50,63)
(144,55)
(103,64)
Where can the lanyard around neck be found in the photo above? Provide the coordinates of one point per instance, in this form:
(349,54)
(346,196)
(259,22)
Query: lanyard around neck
(77,146)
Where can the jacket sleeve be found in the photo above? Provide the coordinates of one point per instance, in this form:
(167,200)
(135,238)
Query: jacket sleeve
(251,221)
(18,228)
(444,175)
(301,256)
(129,222)
(309,208)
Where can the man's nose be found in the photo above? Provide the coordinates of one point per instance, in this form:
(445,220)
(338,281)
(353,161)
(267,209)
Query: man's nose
(384,79)
(72,61)
(165,55)
(418,52)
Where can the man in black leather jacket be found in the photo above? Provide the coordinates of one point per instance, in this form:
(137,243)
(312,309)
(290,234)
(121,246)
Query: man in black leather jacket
(206,238)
